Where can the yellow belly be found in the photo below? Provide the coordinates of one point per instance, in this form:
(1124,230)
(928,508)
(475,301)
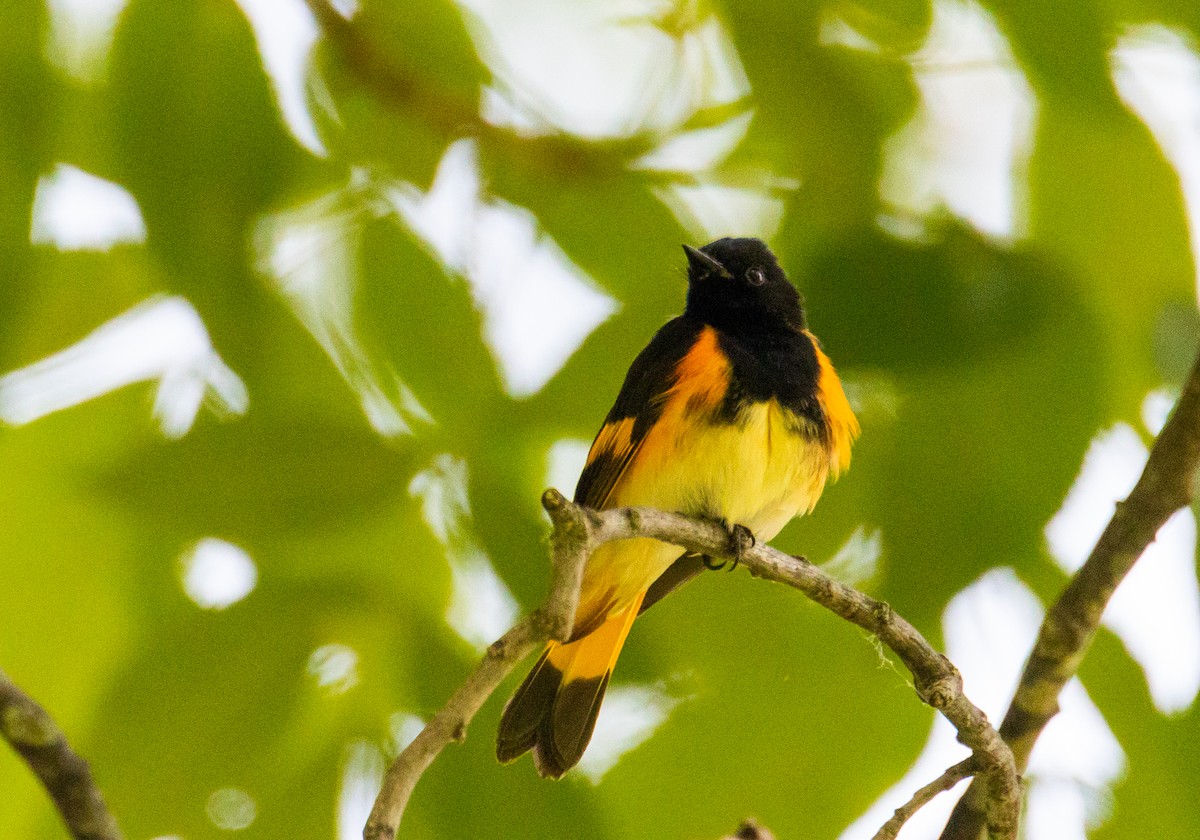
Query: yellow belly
(758,472)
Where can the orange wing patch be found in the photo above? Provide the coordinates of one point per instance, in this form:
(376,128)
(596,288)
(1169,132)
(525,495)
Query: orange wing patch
(698,384)
(702,376)
(614,438)
(843,425)
(611,453)
(650,470)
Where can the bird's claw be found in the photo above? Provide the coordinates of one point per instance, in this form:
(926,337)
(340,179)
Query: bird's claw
(741,540)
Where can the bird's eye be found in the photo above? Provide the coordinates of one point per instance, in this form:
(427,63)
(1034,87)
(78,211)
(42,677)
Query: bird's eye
(756,277)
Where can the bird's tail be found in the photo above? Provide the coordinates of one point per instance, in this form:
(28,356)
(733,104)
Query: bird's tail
(554,711)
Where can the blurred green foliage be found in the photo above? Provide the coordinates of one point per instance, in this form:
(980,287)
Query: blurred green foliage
(981,369)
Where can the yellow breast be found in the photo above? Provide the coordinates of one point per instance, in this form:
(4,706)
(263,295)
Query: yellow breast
(758,471)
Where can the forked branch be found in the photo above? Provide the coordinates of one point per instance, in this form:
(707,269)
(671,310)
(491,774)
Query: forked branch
(1166,485)
(577,533)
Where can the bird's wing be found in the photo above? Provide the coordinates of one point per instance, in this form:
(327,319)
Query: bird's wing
(638,407)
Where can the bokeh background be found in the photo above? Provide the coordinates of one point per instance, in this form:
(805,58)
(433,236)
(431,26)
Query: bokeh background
(297,320)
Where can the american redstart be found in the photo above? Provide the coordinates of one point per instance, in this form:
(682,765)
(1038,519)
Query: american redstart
(733,413)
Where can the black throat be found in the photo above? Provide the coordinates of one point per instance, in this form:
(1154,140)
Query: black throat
(771,362)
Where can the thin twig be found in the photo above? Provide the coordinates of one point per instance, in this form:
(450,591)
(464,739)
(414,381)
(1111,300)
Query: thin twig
(943,783)
(577,533)
(31,731)
(1166,485)
(553,620)
(937,681)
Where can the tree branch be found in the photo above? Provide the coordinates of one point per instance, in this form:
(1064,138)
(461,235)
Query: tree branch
(553,620)
(577,533)
(1165,486)
(31,731)
(937,681)
(943,783)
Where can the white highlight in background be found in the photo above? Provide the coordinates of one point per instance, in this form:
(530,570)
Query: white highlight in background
(564,464)
(442,489)
(76,211)
(231,809)
(334,667)
(161,339)
(711,203)
(1156,610)
(555,63)
(555,70)
(1156,408)
(857,561)
(404,728)
(286,33)
(629,716)
(711,209)
(968,145)
(481,608)
(990,628)
(362,774)
(81,34)
(311,253)
(537,305)
(218,574)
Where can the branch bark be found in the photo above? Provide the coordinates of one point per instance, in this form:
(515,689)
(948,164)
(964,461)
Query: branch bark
(578,531)
(31,731)
(943,783)
(937,682)
(553,620)
(1165,486)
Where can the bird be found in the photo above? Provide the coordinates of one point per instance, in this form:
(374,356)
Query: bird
(733,413)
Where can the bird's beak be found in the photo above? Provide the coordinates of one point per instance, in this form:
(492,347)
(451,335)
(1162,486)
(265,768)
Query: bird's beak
(701,264)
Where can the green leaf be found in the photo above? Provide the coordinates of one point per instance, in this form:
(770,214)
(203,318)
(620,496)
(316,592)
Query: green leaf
(1106,202)
(821,115)
(28,105)
(403,80)
(253,478)
(424,323)
(1063,48)
(200,144)
(1153,798)
(893,24)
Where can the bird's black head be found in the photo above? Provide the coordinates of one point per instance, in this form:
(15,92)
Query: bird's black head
(737,285)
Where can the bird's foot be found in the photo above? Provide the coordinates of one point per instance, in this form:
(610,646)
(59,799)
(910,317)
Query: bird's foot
(741,540)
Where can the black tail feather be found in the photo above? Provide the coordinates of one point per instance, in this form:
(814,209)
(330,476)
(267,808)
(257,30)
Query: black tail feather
(554,711)
(552,718)
(524,715)
(567,730)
